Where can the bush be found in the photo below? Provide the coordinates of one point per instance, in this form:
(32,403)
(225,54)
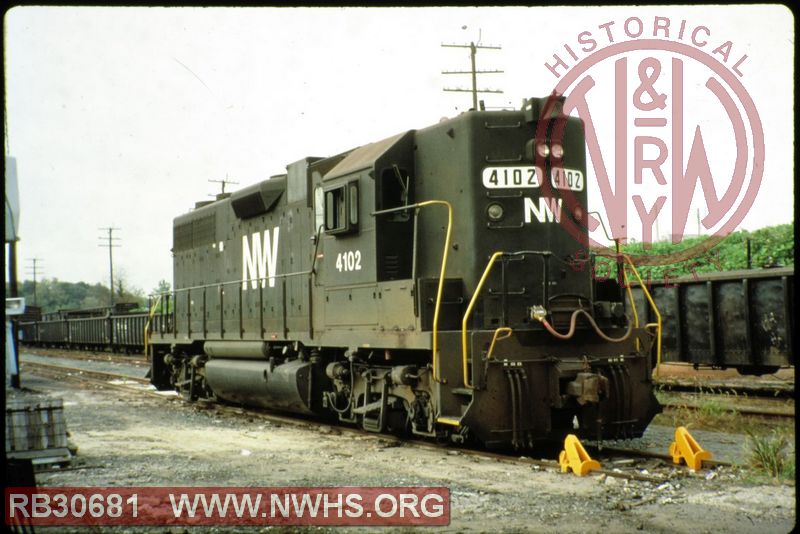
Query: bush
(771,246)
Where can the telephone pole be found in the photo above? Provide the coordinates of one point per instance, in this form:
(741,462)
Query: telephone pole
(110,242)
(473,49)
(34,269)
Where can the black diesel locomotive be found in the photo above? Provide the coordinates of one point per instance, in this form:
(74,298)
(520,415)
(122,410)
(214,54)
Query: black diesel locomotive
(424,284)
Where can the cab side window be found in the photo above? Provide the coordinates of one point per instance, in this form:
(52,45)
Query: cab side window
(341,209)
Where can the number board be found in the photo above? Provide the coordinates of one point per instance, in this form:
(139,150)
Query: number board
(526,176)
(529,176)
(562,178)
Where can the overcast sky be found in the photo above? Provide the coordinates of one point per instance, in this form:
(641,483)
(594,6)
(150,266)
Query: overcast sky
(120,116)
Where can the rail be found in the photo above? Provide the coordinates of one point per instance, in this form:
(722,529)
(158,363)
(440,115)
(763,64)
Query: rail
(468,313)
(501,333)
(544,254)
(261,282)
(437,307)
(465,353)
(171,299)
(150,315)
(646,292)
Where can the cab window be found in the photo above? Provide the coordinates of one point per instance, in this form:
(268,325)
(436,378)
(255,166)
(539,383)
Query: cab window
(341,209)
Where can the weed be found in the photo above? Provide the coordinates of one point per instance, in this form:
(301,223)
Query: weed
(769,453)
(698,412)
(713,409)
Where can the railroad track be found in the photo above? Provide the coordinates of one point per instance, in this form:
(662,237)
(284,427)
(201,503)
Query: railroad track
(761,389)
(713,403)
(87,374)
(771,413)
(89,356)
(131,384)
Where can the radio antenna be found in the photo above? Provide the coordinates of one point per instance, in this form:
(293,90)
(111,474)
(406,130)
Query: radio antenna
(224,183)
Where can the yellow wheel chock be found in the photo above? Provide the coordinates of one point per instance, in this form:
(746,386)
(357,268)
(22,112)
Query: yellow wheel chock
(686,447)
(575,457)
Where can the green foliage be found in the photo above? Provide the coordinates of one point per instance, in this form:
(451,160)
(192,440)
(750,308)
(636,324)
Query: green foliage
(162,301)
(163,304)
(769,453)
(770,246)
(712,408)
(53,295)
(162,287)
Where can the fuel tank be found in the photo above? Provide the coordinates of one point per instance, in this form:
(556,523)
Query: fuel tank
(285,387)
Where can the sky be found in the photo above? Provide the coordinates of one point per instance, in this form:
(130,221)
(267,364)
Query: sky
(121,116)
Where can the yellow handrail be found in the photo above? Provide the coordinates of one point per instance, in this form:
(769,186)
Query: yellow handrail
(438,305)
(506,331)
(147,325)
(633,302)
(652,305)
(465,320)
(630,298)
(437,308)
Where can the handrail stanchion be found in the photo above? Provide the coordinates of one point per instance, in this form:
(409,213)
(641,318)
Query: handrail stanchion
(147,325)
(655,311)
(465,320)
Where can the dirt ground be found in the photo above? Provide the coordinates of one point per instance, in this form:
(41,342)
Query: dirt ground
(128,439)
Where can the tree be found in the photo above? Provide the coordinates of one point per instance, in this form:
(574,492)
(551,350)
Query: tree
(162,287)
(125,291)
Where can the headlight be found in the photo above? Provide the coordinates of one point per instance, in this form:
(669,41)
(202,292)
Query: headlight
(543,150)
(557,151)
(495,211)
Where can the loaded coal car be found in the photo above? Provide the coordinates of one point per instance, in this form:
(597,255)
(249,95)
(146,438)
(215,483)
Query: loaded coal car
(46,330)
(742,319)
(27,327)
(425,284)
(117,328)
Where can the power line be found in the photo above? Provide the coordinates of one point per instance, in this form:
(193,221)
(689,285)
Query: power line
(34,269)
(110,243)
(473,49)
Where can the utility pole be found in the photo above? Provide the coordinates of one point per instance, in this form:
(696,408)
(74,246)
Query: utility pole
(473,49)
(34,269)
(110,243)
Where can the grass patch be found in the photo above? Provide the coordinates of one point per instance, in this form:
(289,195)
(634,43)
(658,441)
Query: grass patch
(713,409)
(771,454)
